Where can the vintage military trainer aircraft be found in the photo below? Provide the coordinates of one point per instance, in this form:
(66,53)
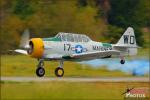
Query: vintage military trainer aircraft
(75,47)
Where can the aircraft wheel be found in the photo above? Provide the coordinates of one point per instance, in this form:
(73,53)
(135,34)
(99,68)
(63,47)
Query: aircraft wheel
(122,61)
(40,71)
(59,72)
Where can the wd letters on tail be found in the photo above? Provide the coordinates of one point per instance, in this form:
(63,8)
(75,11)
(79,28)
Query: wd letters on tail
(128,42)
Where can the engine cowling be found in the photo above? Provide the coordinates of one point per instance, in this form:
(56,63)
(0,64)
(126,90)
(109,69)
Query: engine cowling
(36,47)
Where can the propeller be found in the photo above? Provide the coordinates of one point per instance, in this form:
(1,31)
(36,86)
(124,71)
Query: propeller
(27,46)
(24,43)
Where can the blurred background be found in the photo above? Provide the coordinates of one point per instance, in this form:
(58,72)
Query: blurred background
(102,20)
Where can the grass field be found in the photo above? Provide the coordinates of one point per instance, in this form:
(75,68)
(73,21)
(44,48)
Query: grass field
(20,65)
(143,52)
(65,90)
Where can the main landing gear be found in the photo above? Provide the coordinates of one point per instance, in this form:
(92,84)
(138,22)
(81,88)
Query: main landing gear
(59,71)
(40,71)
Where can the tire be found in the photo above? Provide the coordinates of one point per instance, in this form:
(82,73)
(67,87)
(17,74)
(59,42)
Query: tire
(58,70)
(122,61)
(40,71)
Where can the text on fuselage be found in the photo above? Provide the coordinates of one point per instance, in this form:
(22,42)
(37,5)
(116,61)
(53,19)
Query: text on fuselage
(101,48)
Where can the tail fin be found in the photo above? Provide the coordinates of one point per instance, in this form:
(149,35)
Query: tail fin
(128,38)
(128,42)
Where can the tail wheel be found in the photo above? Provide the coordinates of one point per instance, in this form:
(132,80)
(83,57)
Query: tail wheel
(59,72)
(122,61)
(40,71)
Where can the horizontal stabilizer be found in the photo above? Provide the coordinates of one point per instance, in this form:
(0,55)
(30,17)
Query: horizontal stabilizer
(126,46)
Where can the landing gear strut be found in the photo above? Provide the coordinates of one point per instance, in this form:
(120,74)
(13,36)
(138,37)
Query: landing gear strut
(59,71)
(40,71)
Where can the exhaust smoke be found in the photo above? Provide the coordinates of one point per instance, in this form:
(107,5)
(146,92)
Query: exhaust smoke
(136,66)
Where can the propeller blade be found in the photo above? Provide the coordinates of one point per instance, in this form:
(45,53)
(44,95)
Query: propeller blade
(25,39)
(21,51)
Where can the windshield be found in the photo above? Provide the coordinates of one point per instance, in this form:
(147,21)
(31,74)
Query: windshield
(70,37)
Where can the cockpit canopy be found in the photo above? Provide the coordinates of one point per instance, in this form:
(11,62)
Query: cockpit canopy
(70,37)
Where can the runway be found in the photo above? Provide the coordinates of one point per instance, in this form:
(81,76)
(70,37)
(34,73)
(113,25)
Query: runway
(76,79)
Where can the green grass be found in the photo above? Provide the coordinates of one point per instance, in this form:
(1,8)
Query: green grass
(143,52)
(21,65)
(65,90)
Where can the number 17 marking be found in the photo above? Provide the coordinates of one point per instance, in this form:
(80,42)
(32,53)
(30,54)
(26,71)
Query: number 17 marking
(67,47)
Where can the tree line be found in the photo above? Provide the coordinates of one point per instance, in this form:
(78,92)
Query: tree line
(102,20)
